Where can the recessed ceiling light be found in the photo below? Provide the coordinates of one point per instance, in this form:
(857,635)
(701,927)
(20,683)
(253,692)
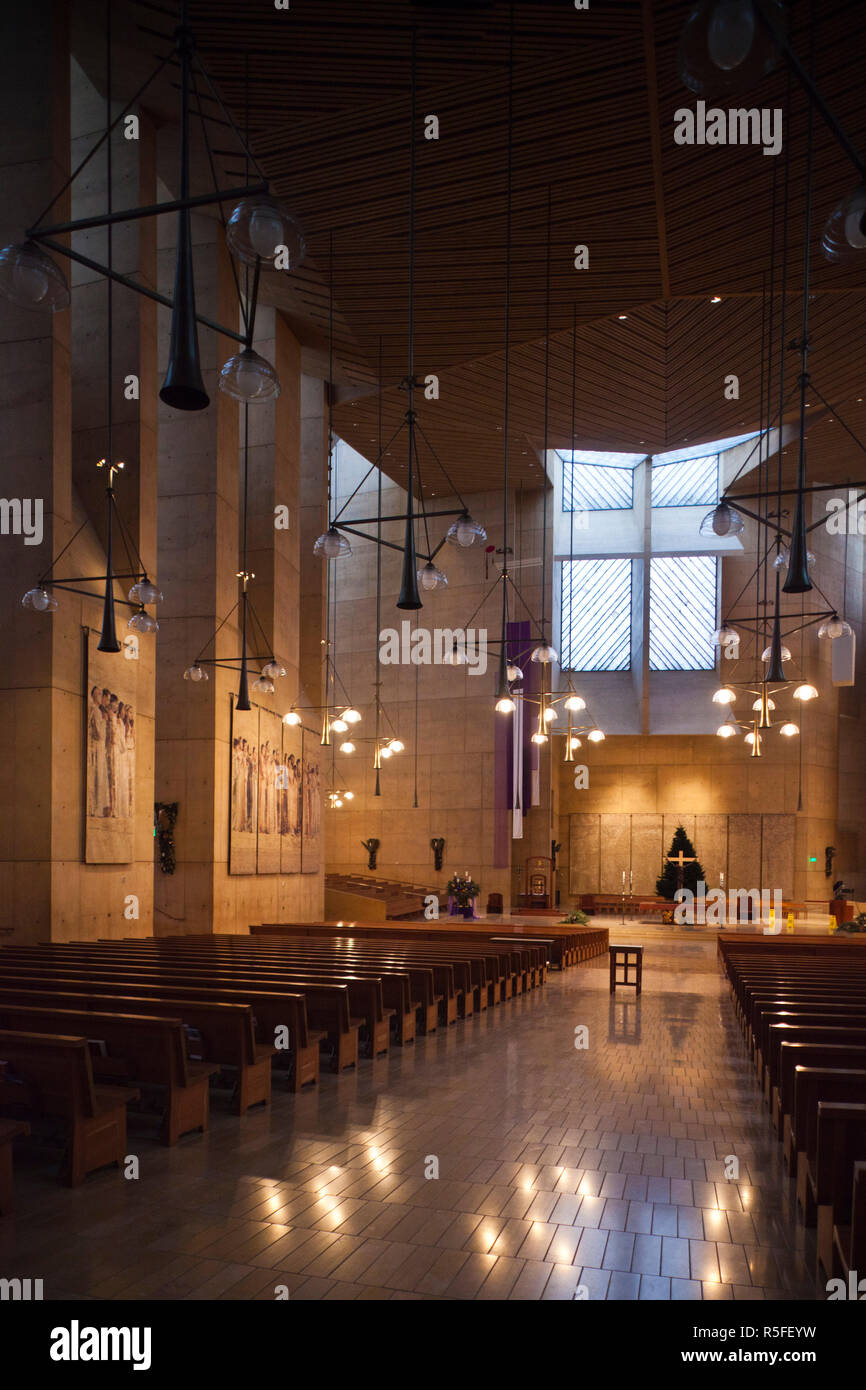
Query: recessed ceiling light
(716,299)
(622,316)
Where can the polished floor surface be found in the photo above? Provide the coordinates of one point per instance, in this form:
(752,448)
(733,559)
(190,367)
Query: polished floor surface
(563,1170)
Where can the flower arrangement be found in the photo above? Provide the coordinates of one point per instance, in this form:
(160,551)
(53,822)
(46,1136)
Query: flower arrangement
(576,919)
(463,889)
(857,925)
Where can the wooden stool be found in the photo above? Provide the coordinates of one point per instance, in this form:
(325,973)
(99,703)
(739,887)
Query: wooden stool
(630,960)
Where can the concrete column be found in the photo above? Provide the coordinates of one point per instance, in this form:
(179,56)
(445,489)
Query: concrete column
(197,566)
(40,676)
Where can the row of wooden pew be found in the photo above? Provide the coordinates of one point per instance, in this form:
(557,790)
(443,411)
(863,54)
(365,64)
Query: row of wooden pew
(566,945)
(87,1028)
(803,1015)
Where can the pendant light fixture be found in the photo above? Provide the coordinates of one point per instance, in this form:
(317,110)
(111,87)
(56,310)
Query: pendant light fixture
(183,387)
(409,598)
(543,654)
(29,275)
(725,48)
(331,545)
(250,627)
(797,580)
(465,531)
(142,592)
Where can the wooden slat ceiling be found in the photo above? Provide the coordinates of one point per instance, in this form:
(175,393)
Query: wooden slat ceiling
(667,226)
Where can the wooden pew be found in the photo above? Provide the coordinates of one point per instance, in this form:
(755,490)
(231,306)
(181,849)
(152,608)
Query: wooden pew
(839,1047)
(814,1086)
(849,1242)
(228,1040)
(270,1012)
(365,988)
(840,1144)
(364,994)
(58,1082)
(9,1130)
(142,1049)
(327,1003)
(802,1015)
(565,940)
(400,983)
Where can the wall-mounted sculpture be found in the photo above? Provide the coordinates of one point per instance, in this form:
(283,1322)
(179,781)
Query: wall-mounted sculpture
(438,847)
(371,846)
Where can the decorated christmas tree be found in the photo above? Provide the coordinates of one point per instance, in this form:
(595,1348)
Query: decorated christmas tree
(674,875)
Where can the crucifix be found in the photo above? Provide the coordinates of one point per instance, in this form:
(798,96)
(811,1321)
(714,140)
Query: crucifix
(680,860)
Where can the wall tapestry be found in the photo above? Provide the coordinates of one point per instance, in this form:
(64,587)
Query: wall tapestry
(290,800)
(244,791)
(271,791)
(311,821)
(110,702)
(276,809)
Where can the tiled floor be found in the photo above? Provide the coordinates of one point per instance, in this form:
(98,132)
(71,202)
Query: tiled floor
(559,1167)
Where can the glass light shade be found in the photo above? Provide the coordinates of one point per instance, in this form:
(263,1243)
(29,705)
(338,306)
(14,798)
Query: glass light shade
(456,657)
(513,672)
(351,715)
(258,227)
(145,592)
(396,745)
(505,705)
(767,654)
(332,545)
(195,673)
(292,717)
(724,47)
(347,747)
(465,532)
(575,702)
(805,692)
(834,627)
(385,752)
(726,731)
(539,738)
(781,560)
(338,801)
(575,742)
(40,600)
(725,696)
(550,715)
(339,726)
(723,520)
(273,670)
(751,736)
(143,622)
(771,704)
(431,578)
(543,654)
(248,378)
(31,279)
(348,796)
(789,729)
(263,685)
(595,736)
(845,233)
(724,636)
